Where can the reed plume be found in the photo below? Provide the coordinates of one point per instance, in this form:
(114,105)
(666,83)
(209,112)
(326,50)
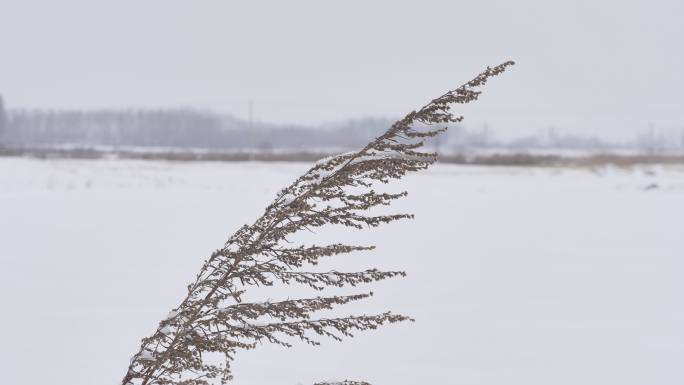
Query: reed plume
(196,342)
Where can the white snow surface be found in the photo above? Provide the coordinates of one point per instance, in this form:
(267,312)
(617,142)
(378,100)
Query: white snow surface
(515,275)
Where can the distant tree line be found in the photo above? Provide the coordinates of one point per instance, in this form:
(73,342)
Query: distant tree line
(191,128)
(184,128)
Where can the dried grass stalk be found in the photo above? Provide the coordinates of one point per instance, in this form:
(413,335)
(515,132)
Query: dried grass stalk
(196,342)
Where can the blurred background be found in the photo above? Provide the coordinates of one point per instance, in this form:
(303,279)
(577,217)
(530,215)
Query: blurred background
(136,136)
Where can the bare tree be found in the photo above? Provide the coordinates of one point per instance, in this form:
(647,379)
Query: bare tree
(196,342)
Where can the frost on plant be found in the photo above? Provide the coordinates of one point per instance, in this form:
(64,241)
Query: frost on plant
(196,342)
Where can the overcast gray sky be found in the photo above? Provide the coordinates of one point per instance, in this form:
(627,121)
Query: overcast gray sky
(608,67)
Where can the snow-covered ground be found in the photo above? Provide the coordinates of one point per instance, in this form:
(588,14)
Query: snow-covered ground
(516,275)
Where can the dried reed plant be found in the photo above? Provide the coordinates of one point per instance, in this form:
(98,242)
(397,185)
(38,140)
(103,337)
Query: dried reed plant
(196,342)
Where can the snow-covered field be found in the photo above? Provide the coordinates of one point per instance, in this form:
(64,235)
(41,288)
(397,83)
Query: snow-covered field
(516,275)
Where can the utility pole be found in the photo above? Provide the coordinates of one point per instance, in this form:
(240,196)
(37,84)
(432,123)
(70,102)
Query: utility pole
(3,120)
(651,139)
(250,110)
(485,134)
(251,137)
